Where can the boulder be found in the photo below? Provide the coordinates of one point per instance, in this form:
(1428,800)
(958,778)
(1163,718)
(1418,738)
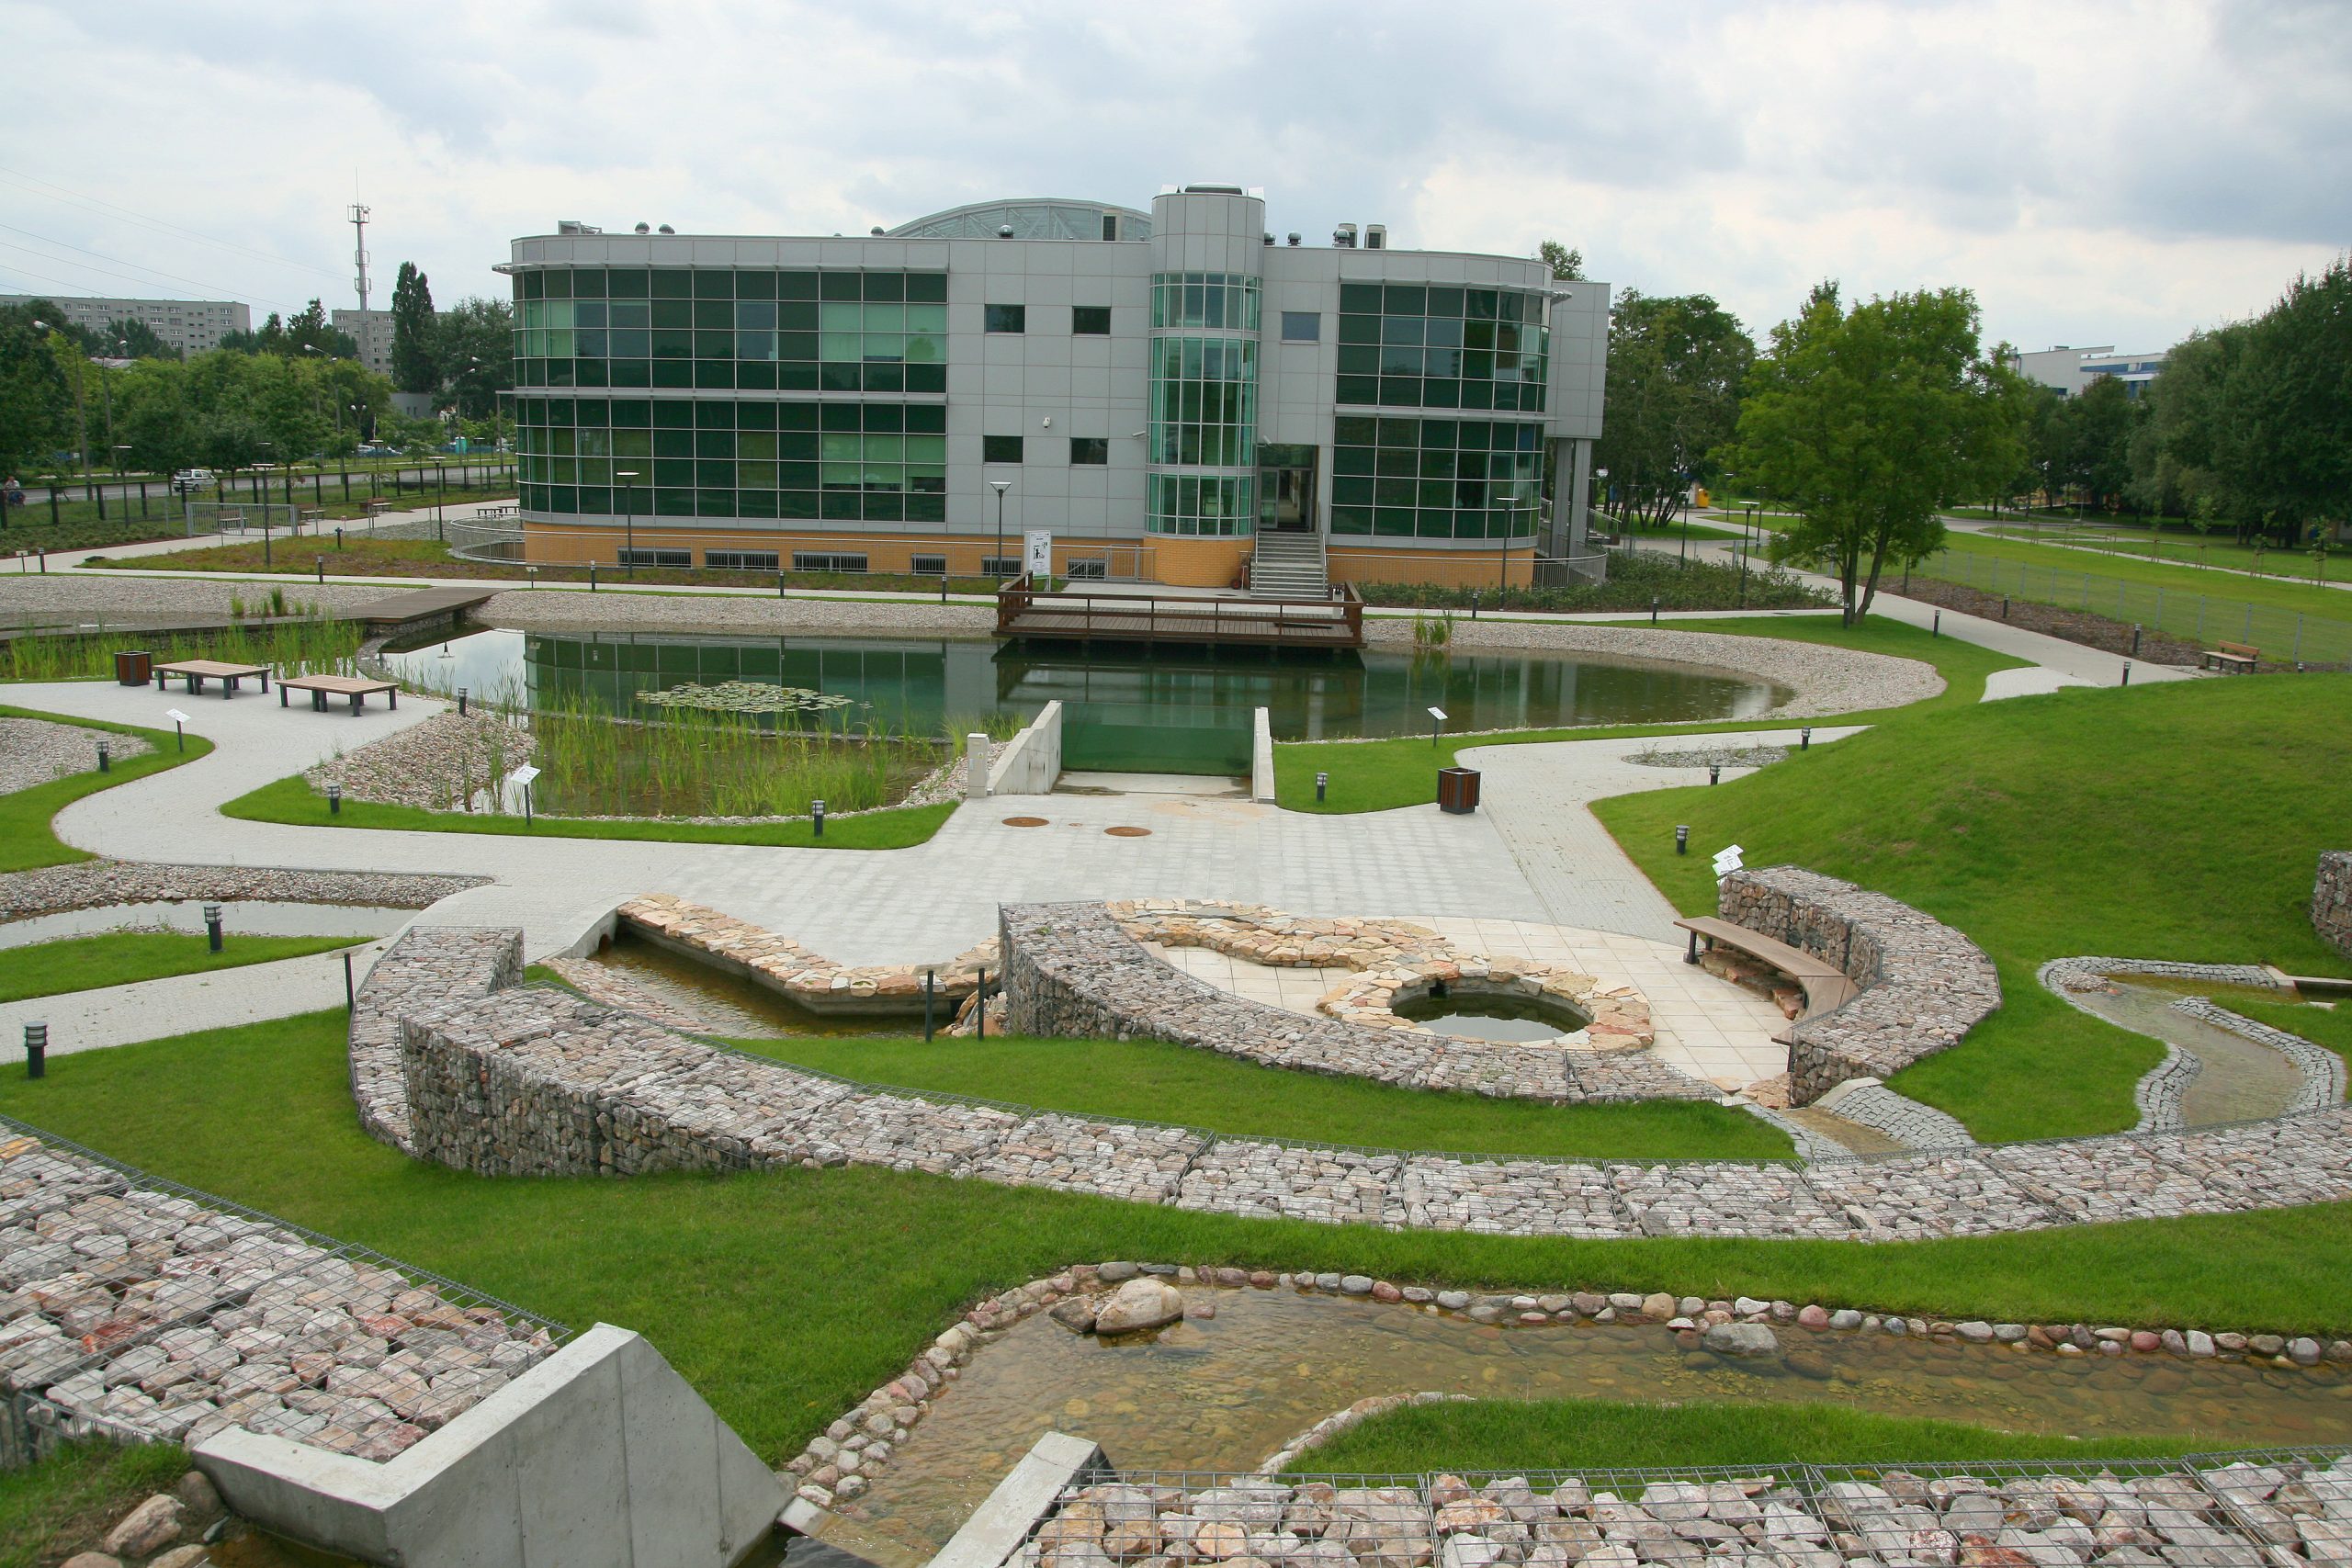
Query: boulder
(1744,1339)
(1077,1315)
(149,1527)
(1140,1303)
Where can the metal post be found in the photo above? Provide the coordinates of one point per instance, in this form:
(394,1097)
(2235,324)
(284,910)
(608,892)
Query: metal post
(461,702)
(1653,610)
(350,994)
(105,763)
(322,570)
(779,585)
(212,926)
(592,576)
(1804,738)
(1714,772)
(817,818)
(334,794)
(1937,628)
(930,996)
(1322,785)
(2127,673)
(526,806)
(36,1050)
(1682,839)
(980,1007)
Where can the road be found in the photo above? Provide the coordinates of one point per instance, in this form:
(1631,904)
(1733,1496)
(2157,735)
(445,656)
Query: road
(456,471)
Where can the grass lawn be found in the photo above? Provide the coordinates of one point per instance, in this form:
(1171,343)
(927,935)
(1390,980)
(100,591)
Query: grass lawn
(118,958)
(73,1496)
(2170,821)
(1517,1436)
(26,840)
(2331,1027)
(292,800)
(786,1296)
(1380,775)
(2264,593)
(1152,1080)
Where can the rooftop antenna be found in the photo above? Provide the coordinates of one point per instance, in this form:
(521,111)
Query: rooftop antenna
(359,249)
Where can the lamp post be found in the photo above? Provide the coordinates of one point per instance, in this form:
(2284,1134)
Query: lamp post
(628,518)
(996,567)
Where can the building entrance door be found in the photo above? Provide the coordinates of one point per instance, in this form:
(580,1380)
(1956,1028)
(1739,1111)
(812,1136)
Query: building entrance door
(1285,488)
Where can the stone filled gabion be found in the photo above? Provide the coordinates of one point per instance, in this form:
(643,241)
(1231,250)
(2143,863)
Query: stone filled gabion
(1074,969)
(2332,900)
(1923,983)
(456,1064)
(96,884)
(2244,1514)
(147,1314)
(781,964)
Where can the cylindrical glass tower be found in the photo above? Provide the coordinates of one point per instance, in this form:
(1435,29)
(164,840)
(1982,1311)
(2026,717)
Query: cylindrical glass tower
(1200,461)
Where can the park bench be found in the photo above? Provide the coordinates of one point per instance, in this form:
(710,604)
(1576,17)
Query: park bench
(1825,985)
(321,687)
(2238,658)
(377,506)
(490,514)
(196,671)
(314,517)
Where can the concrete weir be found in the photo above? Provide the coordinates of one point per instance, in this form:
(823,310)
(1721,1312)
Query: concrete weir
(600,1455)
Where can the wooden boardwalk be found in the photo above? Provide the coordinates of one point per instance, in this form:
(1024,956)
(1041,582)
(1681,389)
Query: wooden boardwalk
(1080,617)
(420,608)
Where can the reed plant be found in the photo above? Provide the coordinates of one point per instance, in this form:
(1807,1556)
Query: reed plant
(305,644)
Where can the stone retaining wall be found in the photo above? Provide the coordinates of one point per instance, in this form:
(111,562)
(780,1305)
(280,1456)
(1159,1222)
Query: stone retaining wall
(1923,983)
(2332,900)
(1074,970)
(94,883)
(784,965)
(534,1081)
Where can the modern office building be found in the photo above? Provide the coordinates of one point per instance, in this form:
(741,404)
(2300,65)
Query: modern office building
(1176,396)
(192,326)
(372,331)
(2069,370)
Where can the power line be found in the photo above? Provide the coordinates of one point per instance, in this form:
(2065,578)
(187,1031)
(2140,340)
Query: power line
(59,193)
(105,271)
(154,272)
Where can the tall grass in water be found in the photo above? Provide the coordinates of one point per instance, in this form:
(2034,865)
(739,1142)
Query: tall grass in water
(310,645)
(695,763)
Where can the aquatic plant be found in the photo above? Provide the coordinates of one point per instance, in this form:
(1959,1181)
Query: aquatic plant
(745,696)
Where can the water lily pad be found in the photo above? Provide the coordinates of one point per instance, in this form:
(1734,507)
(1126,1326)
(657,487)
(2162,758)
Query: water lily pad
(745,696)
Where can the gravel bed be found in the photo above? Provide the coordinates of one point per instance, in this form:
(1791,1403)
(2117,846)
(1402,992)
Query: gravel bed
(33,751)
(91,592)
(574,610)
(439,764)
(95,884)
(1712,756)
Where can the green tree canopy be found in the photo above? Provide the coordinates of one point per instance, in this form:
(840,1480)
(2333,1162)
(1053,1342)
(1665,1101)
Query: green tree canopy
(36,401)
(1566,262)
(414,368)
(473,344)
(1865,420)
(1675,369)
(131,338)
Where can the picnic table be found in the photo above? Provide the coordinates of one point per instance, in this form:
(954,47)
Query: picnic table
(196,671)
(321,687)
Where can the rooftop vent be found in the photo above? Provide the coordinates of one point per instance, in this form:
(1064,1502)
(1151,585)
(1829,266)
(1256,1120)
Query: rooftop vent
(1375,236)
(1213,190)
(1344,236)
(1004,231)
(1294,236)
(573,226)
(875,231)
(667,229)
(645,229)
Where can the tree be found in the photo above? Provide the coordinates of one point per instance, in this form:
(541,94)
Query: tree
(414,369)
(1865,420)
(36,403)
(473,344)
(1566,263)
(1675,369)
(2098,425)
(307,334)
(131,338)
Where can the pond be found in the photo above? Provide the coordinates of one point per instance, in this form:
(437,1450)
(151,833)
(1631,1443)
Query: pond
(1225,1393)
(1502,1017)
(1127,710)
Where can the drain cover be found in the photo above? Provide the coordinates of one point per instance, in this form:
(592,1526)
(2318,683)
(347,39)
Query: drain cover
(1025,821)
(1129,832)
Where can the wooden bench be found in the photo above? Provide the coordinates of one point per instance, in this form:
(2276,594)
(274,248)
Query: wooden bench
(321,687)
(377,506)
(1825,985)
(196,671)
(2235,656)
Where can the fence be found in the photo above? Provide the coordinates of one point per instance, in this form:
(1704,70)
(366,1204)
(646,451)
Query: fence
(2285,637)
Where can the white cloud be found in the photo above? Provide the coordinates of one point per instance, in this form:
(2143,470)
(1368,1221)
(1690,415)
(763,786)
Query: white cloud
(2097,170)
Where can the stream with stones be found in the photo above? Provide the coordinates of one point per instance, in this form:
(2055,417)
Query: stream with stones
(1227,1392)
(2238,1080)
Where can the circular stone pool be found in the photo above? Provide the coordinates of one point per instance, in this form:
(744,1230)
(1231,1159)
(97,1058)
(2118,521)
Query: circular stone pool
(1507,1017)
(1126,710)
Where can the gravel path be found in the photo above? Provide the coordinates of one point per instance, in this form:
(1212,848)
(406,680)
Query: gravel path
(543,610)
(33,751)
(96,591)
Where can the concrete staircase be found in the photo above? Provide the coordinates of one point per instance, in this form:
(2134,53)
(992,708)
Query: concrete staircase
(1289,566)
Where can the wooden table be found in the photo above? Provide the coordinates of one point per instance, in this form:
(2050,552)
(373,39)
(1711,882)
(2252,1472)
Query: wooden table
(321,687)
(196,671)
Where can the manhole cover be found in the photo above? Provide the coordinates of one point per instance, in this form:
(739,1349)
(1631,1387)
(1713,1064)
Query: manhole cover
(1025,821)
(1129,832)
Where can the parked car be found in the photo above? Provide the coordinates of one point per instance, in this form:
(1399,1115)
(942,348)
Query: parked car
(189,481)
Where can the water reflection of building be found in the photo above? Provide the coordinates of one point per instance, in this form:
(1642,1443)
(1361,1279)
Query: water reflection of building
(1175,395)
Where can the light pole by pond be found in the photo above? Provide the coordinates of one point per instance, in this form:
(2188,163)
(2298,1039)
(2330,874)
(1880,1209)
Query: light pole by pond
(628,518)
(996,563)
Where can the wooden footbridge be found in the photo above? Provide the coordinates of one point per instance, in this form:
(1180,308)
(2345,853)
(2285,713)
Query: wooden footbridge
(1023,611)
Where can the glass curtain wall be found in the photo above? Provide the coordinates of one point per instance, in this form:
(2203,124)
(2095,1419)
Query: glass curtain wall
(1204,407)
(1416,346)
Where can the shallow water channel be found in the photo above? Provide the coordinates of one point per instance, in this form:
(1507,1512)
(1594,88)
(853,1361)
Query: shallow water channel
(2238,1080)
(739,1008)
(1226,1392)
(1128,709)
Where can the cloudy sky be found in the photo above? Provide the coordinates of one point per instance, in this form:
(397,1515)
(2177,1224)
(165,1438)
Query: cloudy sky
(2098,170)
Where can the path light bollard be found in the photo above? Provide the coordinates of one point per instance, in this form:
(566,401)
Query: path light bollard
(1474,604)
(461,702)
(323,568)
(942,585)
(2135,639)
(1937,628)
(105,762)
(334,800)
(1714,772)
(779,585)
(1653,610)
(350,994)
(2127,673)
(817,818)
(36,1050)
(338,538)
(1322,787)
(212,926)
(930,998)
(2004,606)
(1804,738)
(1682,839)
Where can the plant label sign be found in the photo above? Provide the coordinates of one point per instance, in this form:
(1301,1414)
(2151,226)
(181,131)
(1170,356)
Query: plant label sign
(1037,552)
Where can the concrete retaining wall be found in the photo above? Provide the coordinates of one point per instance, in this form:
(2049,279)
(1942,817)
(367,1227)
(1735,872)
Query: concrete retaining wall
(2332,900)
(600,1455)
(1923,983)
(1261,759)
(1031,761)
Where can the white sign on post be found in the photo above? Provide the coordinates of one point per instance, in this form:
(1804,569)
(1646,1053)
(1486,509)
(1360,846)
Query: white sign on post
(1728,861)
(1037,552)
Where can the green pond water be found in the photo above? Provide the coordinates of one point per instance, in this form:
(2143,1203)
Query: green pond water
(1127,710)
(1225,1393)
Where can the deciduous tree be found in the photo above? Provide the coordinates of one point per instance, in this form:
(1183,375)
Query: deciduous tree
(414,368)
(1675,369)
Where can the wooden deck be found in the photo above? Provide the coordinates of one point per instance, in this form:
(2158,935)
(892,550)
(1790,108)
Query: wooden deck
(420,608)
(1076,616)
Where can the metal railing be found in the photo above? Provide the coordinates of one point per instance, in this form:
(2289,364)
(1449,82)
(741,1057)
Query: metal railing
(1335,620)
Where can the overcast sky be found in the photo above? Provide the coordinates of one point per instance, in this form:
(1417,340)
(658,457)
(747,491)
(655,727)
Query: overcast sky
(2098,170)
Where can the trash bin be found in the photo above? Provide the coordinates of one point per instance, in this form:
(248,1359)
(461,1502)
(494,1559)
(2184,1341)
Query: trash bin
(1457,790)
(133,667)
